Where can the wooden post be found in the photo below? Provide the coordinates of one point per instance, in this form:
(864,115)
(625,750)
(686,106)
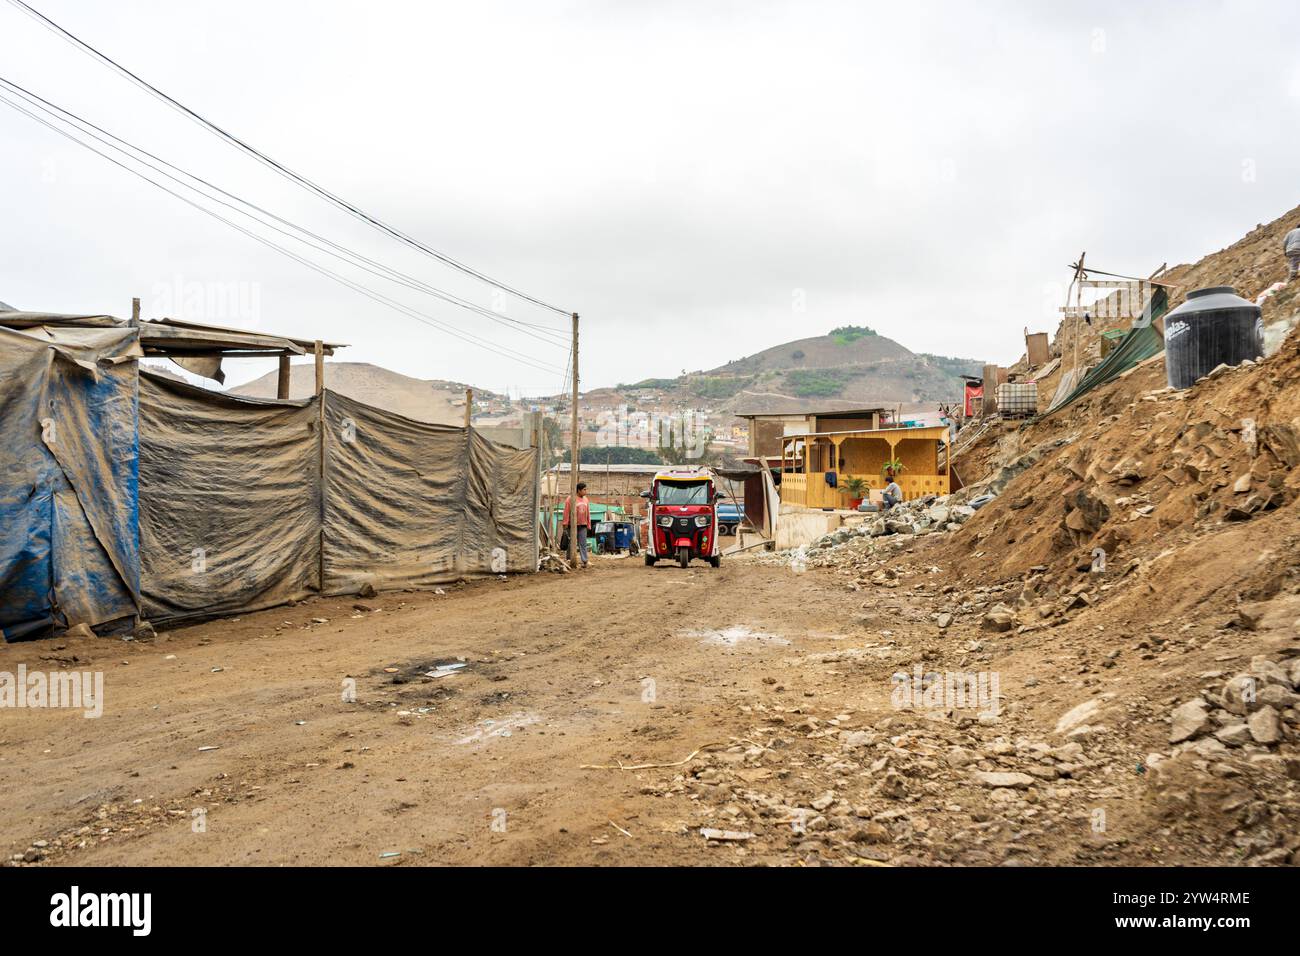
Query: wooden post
(282,383)
(319,349)
(469,405)
(135,311)
(575,446)
(535,441)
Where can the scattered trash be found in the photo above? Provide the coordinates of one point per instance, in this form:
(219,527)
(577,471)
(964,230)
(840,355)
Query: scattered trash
(651,766)
(206,749)
(444,670)
(726,836)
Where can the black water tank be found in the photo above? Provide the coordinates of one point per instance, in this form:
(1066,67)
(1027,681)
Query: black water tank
(1213,327)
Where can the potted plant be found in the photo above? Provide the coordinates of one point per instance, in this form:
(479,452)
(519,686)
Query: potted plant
(892,469)
(857,489)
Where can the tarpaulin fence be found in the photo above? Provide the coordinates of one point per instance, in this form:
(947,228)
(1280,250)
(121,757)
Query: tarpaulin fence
(248,503)
(125,494)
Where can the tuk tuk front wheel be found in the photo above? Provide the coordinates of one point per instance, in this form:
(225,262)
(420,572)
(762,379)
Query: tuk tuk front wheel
(684,556)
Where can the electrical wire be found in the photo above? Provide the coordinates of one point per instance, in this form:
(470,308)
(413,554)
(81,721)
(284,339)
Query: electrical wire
(343,253)
(496,348)
(279,168)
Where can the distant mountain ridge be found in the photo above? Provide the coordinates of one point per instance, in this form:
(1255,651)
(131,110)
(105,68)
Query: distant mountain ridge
(850,364)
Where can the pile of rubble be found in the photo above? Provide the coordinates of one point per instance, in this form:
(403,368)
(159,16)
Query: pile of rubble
(950,788)
(1257,708)
(897,528)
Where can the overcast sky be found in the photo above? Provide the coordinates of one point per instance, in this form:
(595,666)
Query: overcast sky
(698,180)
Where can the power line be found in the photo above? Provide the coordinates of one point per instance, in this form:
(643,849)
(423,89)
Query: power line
(266,160)
(501,350)
(343,253)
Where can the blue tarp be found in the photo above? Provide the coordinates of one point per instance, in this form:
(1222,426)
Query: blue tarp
(69,518)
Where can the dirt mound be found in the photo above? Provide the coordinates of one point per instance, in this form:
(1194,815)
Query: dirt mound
(1137,470)
(1252,265)
(1140,556)
(1138,478)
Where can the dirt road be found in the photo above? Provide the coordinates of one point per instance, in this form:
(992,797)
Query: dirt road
(558,674)
(783,678)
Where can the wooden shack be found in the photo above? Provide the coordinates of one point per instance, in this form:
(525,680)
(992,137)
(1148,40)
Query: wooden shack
(808,460)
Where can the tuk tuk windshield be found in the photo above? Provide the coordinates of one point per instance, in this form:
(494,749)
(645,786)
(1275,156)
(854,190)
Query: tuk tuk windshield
(683,493)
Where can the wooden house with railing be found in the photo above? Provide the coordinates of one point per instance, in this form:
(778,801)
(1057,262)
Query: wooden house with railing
(815,466)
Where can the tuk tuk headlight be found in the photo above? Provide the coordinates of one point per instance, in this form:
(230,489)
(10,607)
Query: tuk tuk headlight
(666,521)
(702,521)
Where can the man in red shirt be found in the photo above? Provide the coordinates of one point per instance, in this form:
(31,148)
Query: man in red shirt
(584,520)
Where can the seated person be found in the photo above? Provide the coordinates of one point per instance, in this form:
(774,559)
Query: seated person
(892,494)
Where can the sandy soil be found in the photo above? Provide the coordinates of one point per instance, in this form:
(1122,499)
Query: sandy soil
(783,677)
(557,669)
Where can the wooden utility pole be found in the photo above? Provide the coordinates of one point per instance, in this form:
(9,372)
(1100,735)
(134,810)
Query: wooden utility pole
(319,349)
(469,405)
(575,445)
(535,443)
(135,312)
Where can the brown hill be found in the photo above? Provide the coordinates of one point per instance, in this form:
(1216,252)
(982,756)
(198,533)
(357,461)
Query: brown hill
(420,399)
(852,365)
(852,345)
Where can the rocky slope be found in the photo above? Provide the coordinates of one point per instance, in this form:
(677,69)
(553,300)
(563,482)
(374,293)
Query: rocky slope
(1137,568)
